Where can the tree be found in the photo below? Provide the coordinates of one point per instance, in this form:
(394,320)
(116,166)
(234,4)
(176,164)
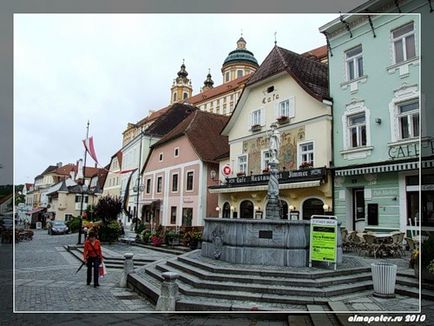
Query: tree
(108,209)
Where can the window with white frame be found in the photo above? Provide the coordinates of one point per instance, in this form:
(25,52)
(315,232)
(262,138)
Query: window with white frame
(175,182)
(255,118)
(160,157)
(305,155)
(357,130)
(266,157)
(242,164)
(408,120)
(404,47)
(286,108)
(176,152)
(354,63)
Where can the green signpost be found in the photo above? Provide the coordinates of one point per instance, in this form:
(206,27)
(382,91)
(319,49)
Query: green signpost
(323,239)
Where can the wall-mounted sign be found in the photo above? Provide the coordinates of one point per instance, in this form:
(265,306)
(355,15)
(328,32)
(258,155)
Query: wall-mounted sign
(227,170)
(403,151)
(270,98)
(283,176)
(323,239)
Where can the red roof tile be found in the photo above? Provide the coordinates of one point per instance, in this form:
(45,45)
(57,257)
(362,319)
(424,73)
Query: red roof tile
(219,90)
(203,131)
(320,52)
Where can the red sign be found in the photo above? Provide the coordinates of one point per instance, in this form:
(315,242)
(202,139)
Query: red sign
(227,170)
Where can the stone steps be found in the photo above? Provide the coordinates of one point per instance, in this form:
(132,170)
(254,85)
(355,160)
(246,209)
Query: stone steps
(267,280)
(111,262)
(271,273)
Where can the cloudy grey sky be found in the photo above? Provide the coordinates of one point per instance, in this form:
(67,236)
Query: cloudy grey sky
(112,69)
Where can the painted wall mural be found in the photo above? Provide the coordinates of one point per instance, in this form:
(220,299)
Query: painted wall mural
(287,154)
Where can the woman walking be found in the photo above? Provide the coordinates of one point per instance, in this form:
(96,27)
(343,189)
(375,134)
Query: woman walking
(92,256)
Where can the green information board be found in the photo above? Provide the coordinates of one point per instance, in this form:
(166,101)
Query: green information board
(323,240)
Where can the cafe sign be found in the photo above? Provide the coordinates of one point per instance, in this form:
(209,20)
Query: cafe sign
(323,239)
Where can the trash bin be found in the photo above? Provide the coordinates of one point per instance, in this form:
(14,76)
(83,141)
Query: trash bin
(38,225)
(384,279)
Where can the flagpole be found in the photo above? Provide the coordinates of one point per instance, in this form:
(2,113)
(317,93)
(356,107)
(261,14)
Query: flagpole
(82,186)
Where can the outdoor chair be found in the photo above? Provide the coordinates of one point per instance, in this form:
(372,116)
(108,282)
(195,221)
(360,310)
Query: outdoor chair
(352,243)
(359,243)
(345,243)
(394,248)
(371,245)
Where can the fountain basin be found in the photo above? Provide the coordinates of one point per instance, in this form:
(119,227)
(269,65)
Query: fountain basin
(259,242)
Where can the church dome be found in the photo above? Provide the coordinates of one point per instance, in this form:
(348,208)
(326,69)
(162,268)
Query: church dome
(241,55)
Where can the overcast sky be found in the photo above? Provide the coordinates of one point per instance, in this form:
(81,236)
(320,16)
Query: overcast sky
(112,69)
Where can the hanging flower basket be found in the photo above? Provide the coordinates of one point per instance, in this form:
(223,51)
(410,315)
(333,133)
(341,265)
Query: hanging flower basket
(255,128)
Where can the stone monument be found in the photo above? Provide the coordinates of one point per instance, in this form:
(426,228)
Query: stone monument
(273,207)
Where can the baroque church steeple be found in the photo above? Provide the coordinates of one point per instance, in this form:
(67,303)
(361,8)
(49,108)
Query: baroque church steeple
(208,83)
(181,88)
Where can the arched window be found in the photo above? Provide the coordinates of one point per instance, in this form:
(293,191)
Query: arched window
(185,95)
(246,209)
(226,210)
(174,96)
(312,206)
(283,210)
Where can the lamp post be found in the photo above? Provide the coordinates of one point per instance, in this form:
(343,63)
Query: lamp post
(139,187)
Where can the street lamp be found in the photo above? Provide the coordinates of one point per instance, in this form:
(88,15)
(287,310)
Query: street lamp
(83,190)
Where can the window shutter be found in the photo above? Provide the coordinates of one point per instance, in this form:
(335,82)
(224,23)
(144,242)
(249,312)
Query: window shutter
(262,117)
(291,106)
(276,110)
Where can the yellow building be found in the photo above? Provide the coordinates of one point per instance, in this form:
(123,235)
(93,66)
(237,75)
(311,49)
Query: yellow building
(291,90)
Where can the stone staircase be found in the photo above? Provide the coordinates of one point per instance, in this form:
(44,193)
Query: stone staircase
(109,261)
(204,286)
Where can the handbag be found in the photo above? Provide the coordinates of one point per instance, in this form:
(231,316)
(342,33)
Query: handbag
(102,270)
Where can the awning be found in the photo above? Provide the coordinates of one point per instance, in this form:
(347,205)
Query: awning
(35,210)
(378,169)
(292,185)
(151,202)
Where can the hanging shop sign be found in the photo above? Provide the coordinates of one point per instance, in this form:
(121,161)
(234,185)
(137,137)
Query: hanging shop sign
(323,239)
(227,170)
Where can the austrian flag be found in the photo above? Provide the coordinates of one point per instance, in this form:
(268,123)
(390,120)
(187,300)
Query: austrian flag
(88,144)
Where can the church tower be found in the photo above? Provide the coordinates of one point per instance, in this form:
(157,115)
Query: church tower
(208,83)
(239,62)
(181,87)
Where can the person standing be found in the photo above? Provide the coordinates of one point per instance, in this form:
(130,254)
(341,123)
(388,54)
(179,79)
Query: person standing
(92,256)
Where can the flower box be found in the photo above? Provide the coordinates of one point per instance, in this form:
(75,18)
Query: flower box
(282,120)
(266,171)
(241,174)
(255,128)
(306,165)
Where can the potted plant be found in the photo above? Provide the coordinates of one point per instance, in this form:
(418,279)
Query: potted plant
(282,119)
(427,258)
(414,262)
(156,240)
(266,171)
(172,238)
(196,237)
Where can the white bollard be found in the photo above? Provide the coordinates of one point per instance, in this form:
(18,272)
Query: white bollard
(169,292)
(128,268)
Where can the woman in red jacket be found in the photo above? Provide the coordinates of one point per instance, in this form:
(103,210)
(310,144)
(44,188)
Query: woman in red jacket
(92,256)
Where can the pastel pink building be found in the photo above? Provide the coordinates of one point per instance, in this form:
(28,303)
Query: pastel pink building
(180,168)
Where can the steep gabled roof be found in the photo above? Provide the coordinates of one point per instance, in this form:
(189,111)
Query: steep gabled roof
(65,169)
(170,119)
(310,74)
(203,131)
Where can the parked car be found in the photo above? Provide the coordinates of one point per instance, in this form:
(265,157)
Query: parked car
(57,227)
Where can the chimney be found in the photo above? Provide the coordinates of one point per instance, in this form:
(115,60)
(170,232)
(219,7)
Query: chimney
(96,165)
(59,164)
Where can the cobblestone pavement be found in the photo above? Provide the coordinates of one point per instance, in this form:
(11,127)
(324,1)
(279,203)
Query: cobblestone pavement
(45,280)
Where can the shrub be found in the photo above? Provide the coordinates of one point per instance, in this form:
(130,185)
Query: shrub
(74,224)
(108,208)
(171,236)
(110,232)
(156,240)
(146,234)
(140,228)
